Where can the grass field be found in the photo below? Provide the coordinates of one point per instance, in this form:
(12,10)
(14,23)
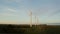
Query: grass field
(26,29)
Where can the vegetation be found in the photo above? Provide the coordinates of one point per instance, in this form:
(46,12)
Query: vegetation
(26,29)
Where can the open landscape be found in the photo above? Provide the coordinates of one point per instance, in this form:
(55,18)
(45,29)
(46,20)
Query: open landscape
(30,16)
(26,29)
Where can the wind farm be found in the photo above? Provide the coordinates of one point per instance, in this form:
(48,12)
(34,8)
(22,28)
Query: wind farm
(30,28)
(36,28)
(30,16)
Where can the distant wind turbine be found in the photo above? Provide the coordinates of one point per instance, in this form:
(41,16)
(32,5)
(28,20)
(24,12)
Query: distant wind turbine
(37,20)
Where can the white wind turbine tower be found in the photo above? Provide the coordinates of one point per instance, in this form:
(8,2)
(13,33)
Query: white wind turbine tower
(37,20)
(30,14)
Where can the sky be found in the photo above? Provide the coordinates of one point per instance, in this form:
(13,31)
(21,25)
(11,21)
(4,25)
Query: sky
(17,11)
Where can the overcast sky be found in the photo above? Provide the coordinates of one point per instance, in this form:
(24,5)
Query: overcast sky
(17,11)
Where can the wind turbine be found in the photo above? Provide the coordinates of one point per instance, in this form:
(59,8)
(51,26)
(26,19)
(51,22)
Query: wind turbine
(37,20)
(30,14)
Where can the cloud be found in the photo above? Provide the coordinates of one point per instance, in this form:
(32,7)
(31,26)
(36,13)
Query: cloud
(12,10)
(54,13)
(8,11)
(7,14)
(43,11)
(11,1)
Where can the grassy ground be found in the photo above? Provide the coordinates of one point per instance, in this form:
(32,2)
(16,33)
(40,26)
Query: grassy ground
(26,29)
